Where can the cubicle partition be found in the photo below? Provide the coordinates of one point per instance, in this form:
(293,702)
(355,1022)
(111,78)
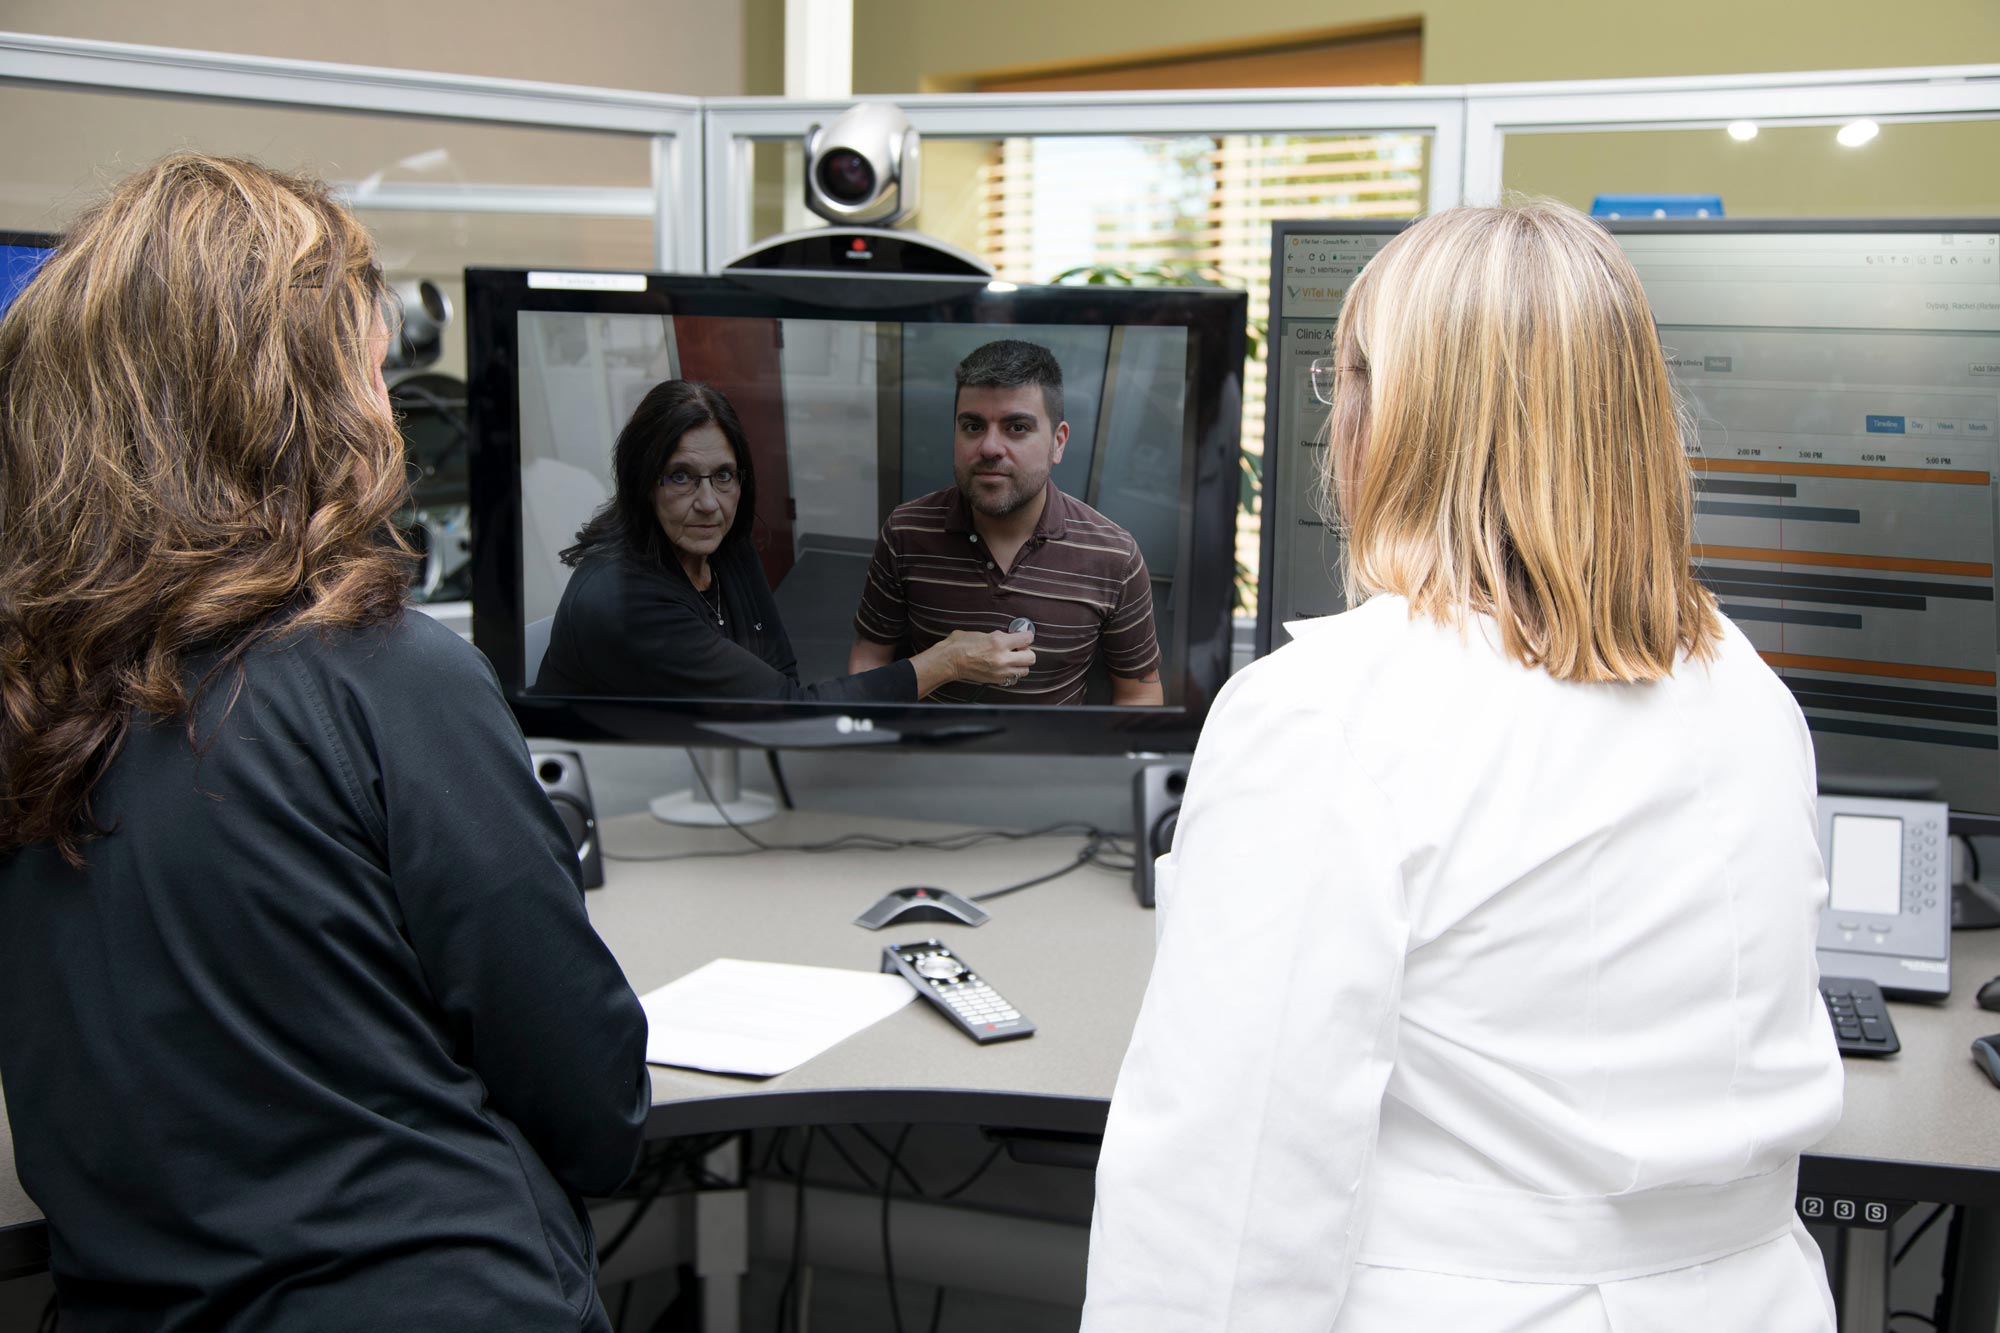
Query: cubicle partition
(451,170)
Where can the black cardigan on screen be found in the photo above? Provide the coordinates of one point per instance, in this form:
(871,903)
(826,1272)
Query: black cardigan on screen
(636,628)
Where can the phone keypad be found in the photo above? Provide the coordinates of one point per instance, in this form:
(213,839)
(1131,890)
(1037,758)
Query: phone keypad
(1923,849)
(1861,1024)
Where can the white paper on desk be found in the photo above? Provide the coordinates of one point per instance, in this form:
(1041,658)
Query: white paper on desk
(737,1017)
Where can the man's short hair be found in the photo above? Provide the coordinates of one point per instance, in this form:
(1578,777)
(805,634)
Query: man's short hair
(1011,363)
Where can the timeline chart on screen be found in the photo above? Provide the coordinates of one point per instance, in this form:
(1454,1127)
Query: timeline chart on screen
(1863,571)
(1315,270)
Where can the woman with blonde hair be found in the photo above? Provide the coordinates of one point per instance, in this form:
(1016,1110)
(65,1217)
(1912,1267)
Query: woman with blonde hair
(302,1024)
(1485,995)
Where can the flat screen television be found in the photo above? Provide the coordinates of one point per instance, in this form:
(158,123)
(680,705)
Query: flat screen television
(846,393)
(1843,380)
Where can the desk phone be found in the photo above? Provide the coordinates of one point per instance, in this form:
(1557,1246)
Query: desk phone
(1888,909)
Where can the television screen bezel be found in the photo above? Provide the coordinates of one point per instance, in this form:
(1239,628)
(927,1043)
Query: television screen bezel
(1216,321)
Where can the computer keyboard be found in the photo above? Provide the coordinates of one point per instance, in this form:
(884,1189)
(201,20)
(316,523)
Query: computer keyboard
(1861,1023)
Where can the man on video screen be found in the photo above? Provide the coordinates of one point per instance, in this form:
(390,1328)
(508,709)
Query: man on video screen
(1004,544)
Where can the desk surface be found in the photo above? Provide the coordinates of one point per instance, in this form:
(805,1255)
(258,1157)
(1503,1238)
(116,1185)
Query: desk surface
(1073,955)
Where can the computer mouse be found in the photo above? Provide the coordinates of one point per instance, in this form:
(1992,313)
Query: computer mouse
(1989,994)
(1986,1054)
(921,903)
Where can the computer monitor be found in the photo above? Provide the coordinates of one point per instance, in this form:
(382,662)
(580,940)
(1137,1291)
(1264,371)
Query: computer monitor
(845,389)
(21,253)
(1843,378)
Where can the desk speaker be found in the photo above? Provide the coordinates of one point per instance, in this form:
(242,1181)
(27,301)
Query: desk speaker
(561,774)
(1156,808)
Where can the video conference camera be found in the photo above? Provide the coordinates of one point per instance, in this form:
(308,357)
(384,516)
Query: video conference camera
(419,340)
(862,169)
(861,176)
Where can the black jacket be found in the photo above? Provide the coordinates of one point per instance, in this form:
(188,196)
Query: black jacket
(321,1038)
(636,628)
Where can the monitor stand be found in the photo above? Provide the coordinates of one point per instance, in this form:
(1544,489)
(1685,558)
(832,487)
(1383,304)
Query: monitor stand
(1974,905)
(722,801)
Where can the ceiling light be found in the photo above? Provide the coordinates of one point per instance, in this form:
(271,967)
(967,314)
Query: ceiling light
(1743,131)
(1857,132)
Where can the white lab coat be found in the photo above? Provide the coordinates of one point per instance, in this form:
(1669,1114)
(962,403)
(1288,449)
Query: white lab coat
(1482,1002)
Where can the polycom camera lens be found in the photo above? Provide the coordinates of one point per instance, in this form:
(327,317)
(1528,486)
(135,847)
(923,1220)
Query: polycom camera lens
(846,175)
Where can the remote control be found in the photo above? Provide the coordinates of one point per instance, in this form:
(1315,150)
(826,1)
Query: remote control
(942,977)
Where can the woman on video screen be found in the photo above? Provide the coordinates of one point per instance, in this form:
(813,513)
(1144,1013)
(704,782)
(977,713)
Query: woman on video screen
(669,598)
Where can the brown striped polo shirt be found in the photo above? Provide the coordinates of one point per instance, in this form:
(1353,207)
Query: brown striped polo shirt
(1080,578)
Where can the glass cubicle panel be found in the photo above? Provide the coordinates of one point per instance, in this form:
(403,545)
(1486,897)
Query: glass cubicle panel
(78,135)
(440,245)
(1167,209)
(1908,169)
(438,196)
(777,189)
(83,141)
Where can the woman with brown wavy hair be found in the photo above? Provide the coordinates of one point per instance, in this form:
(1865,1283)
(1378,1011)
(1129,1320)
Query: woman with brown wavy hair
(302,1024)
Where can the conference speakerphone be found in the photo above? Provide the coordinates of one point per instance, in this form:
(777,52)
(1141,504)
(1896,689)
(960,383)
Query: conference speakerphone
(1888,911)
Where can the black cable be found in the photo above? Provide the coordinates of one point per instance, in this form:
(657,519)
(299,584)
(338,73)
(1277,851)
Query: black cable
(771,1151)
(1954,1250)
(653,1181)
(937,1311)
(625,1230)
(1911,1239)
(624,1307)
(870,842)
(1122,859)
(1096,840)
(50,1317)
(852,1165)
(799,1231)
(895,1167)
(951,842)
(778,778)
(793,1280)
(1082,859)
(449,410)
(978,1171)
(916,1186)
(888,1255)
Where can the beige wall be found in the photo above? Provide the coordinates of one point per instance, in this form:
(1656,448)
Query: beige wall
(695,47)
(898,44)
(763,47)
